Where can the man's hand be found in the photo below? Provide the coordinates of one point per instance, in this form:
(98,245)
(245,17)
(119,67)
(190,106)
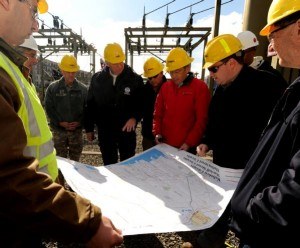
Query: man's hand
(184,147)
(69,126)
(130,125)
(64,124)
(107,235)
(158,139)
(73,125)
(90,136)
(202,149)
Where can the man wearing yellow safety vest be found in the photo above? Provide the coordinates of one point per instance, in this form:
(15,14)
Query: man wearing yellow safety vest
(32,205)
(39,136)
(265,205)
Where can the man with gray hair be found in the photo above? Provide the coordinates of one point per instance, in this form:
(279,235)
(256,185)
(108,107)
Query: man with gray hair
(32,205)
(265,205)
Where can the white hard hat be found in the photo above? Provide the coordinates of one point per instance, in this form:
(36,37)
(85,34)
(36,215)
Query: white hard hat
(248,39)
(30,43)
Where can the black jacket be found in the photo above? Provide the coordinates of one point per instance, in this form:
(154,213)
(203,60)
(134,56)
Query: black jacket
(266,66)
(149,97)
(266,203)
(113,105)
(238,114)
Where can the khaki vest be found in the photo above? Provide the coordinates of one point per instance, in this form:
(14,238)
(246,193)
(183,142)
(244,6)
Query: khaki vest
(39,137)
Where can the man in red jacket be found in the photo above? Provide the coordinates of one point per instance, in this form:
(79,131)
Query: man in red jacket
(180,112)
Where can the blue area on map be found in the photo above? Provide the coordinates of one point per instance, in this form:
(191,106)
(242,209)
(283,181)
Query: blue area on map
(148,156)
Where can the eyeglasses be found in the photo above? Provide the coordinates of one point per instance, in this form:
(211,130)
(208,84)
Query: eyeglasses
(34,10)
(271,36)
(150,78)
(214,69)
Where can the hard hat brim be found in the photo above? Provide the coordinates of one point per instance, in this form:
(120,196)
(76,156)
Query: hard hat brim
(269,28)
(116,60)
(208,64)
(68,69)
(173,68)
(266,30)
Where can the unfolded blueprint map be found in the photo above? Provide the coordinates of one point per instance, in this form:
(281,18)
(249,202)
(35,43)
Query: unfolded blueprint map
(160,190)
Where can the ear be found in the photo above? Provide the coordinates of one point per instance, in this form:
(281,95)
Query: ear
(230,61)
(188,68)
(5,4)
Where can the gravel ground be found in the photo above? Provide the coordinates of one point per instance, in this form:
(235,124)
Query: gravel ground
(157,240)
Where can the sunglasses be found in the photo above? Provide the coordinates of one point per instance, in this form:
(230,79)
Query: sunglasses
(150,78)
(214,69)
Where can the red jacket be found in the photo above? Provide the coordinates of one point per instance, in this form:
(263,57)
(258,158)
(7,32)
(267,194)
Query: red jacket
(180,113)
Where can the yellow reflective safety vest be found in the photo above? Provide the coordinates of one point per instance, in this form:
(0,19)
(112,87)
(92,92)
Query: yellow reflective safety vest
(39,137)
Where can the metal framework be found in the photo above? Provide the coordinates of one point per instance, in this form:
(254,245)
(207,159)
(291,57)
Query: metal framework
(160,40)
(65,40)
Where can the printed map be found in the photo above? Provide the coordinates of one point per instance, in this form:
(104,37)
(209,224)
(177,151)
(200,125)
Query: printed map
(160,190)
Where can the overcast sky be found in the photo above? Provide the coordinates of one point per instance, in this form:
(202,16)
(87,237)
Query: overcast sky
(101,21)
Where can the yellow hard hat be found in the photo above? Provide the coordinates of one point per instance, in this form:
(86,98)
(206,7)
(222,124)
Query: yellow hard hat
(69,64)
(42,6)
(177,58)
(278,10)
(113,53)
(152,67)
(220,48)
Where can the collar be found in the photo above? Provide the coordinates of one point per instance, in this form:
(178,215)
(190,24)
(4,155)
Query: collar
(16,57)
(113,75)
(62,83)
(187,80)
(26,72)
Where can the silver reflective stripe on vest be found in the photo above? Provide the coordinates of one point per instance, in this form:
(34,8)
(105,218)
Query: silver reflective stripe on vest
(33,127)
(44,169)
(42,150)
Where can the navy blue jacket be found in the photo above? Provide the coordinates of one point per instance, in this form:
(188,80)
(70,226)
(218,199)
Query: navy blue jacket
(266,203)
(238,114)
(113,105)
(149,97)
